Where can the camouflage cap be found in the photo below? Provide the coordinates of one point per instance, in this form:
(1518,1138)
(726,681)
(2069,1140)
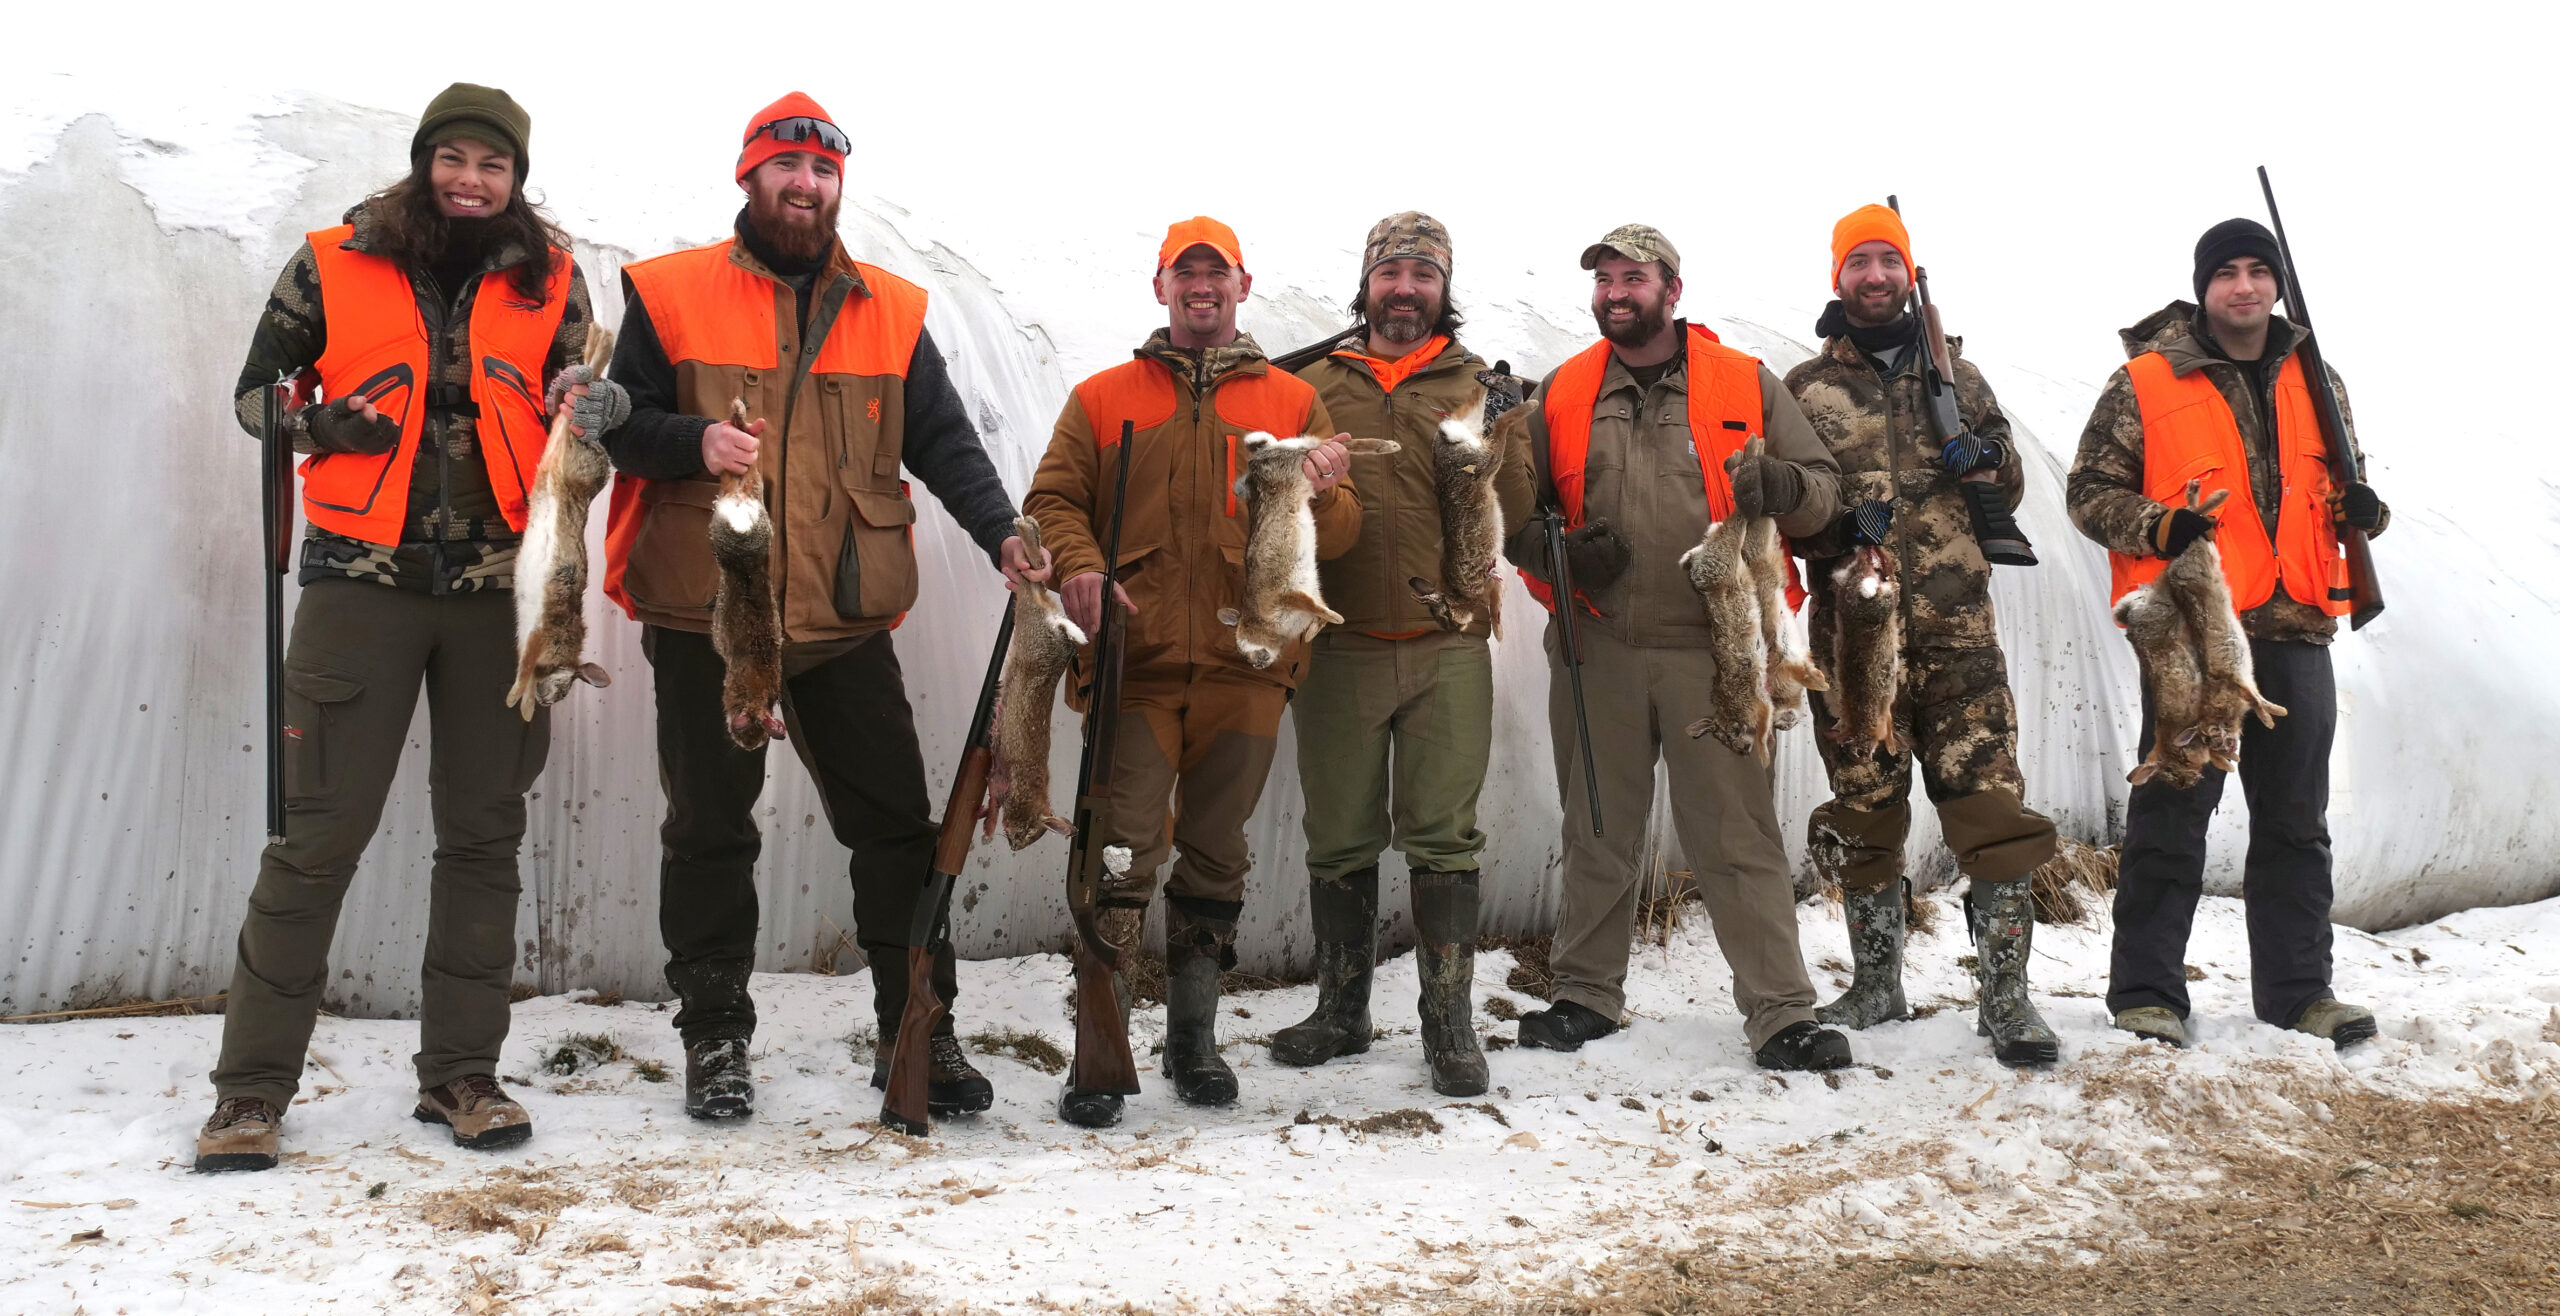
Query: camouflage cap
(1407,233)
(1636,242)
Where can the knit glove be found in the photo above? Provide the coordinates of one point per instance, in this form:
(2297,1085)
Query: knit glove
(1764,486)
(1864,525)
(338,427)
(2361,507)
(2177,528)
(1969,451)
(602,411)
(1596,553)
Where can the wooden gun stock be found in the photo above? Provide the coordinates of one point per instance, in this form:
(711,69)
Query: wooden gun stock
(1103,1062)
(905,1098)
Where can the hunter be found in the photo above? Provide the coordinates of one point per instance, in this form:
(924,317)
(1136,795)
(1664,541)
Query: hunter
(1637,443)
(420,318)
(1198,724)
(1395,716)
(2215,389)
(1866,394)
(833,361)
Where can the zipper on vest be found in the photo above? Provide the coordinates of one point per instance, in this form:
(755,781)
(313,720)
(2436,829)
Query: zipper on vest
(440,352)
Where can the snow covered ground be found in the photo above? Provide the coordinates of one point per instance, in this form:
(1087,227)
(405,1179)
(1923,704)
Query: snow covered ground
(1351,1179)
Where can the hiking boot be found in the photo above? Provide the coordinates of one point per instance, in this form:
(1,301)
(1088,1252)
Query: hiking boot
(241,1135)
(1803,1045)
(2159,1023)
(2343,1024)
(952,1086)
(1196,946)
(717,1085)
(480,1113)
(1120,926)
(1444,921)
(2002,917)
(1875,944)
(1345,910)
(1564,1026)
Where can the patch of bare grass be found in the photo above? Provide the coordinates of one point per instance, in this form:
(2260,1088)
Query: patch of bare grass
(1030,1048)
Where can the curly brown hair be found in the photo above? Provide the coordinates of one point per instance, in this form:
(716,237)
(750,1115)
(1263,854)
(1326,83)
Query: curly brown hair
(410,229)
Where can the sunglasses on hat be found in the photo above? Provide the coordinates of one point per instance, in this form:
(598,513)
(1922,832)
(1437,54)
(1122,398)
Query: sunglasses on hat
(800,128)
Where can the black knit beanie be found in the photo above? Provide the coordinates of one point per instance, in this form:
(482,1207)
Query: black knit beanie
(483,113)
(2230,240)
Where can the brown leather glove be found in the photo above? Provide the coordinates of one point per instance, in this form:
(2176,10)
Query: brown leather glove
(1764,485)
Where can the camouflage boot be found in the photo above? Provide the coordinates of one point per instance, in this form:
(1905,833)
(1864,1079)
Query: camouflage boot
(1444,921)
(1120,926)
(1875,945)
(2003,920)
(1196,946)
(1346,918)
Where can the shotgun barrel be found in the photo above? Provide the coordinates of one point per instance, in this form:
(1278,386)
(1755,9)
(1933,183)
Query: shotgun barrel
(2364,587)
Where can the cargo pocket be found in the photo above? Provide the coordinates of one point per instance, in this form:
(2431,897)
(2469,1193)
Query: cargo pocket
(671,569)
(876,568)
(314,712)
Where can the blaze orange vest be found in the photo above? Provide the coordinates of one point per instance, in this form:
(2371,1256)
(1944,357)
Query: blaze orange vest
(2189,433)
(377,350)
(708,309)
(1140,391)
(1724,412)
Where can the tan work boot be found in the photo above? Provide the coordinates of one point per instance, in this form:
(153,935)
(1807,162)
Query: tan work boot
(240,1136)
(2343,1024)
(2157,1022)
(480,1113)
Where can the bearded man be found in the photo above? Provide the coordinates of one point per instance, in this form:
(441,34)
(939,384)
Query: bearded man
(832,359)
(1638,443)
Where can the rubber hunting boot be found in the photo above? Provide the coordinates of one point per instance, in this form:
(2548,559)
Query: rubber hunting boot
(1875,945)
(1346,918)
(2003,918)
(1444,920)
(1196,947)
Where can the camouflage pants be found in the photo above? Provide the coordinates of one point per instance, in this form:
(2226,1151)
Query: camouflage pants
(1960,723)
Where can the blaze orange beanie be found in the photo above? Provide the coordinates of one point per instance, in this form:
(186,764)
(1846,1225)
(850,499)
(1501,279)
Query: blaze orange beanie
(1869,223)
(759,146)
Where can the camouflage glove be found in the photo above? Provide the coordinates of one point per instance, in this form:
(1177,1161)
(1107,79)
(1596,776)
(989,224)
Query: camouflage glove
(1969,451)
(338,428)
(2361,507)
(1864,525)
(1597,554)
(1764,486)
(602,411)
(2177,528)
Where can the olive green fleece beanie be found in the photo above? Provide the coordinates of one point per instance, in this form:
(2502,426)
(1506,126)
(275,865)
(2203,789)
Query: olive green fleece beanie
(482,113)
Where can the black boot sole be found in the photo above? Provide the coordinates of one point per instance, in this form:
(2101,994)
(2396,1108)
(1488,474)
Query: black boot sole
(2353,1031)
(2028,1055)
(958,1098)
(497,1139)
(234,1162)
(1090,1110)
(721,1108)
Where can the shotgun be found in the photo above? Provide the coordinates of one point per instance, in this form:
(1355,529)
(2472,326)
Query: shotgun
(1102,1059)
(1566,599)
(2364,588)
(275,491)
(1299,358)
(1995,530)
(903,1103)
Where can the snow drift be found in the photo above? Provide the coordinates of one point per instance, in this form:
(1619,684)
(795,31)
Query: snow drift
(139,247)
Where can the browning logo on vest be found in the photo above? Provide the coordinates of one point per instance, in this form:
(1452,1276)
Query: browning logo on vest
(834,409)
(377,350)
(2189,433)
(1724,412)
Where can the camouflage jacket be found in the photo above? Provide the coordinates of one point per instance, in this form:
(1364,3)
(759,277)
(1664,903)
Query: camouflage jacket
(452,538)
(2105,492)
(1878,429)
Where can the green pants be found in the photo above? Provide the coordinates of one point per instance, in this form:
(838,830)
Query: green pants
(360,652)
(1393,739)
